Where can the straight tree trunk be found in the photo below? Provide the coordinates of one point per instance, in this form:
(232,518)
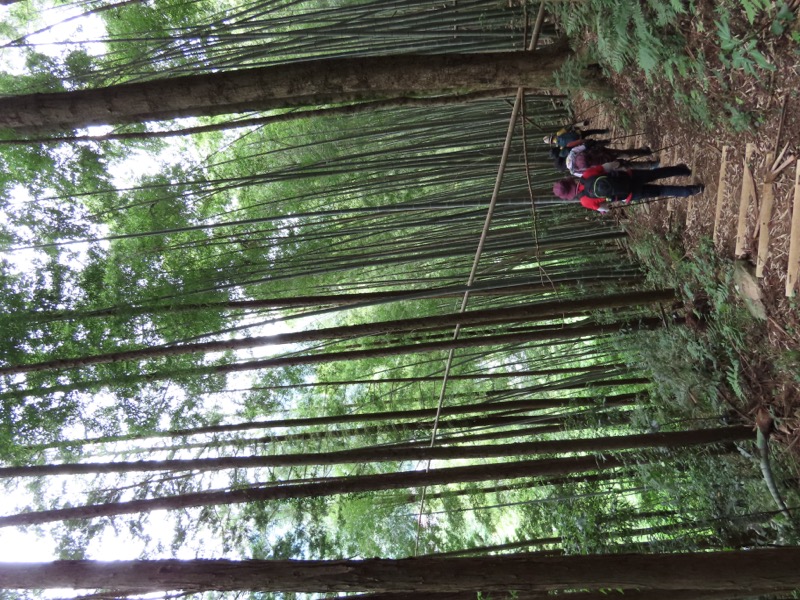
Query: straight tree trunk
(532,403)
(601,595)
(361,298)
(303,83)
(617,367)
(529,312)
(385,454)
(769,569)
(484,550)
(550,334)
(326,487)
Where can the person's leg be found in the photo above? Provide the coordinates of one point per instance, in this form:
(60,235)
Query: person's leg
(633,152)
(640,165)
(642,177)
(663,191)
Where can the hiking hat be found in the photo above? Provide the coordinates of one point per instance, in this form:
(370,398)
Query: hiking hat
(549,139)
(566,189)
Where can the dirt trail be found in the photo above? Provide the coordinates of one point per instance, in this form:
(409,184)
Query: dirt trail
(734,200)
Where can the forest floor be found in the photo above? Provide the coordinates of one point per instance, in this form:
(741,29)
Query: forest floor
(654,118)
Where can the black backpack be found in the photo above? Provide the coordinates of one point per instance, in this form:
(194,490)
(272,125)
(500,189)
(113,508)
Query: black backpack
(610,186)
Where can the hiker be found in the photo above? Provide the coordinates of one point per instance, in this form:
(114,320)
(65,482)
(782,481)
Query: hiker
(600,185)
(570,136)
(589,154)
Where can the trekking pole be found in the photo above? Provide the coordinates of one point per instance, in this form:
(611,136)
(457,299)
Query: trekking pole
(622,137)
(666,147)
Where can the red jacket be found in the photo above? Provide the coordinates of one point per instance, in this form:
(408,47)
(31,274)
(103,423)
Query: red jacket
(591,202)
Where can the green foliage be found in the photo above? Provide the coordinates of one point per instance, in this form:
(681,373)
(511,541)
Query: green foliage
(783,20)
(511,595)
(700,372)
(392,528)
(693,366)
(739,53)
(697,105)
(658,38)
(717,494)
(626,33)
(741,120)
(752,8)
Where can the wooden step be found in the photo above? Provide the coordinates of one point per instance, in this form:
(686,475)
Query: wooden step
(723,167)
(748,194)
(765,215)
(793,267)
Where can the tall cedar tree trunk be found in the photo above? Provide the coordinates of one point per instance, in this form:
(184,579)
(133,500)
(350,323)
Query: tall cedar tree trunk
(303,83)
(512,406)
(769,569)
(544,333)
(602,595)
(387,453)
(338,419)
(540,333)
(506,314)
(420,431)
(362,298)
(326,487)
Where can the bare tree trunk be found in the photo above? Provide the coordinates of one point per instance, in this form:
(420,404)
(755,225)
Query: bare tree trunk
(384,454)
(771,569)
(602,595)
(540,334)
(529,312)
(304,83)
(326,487)
(527,404)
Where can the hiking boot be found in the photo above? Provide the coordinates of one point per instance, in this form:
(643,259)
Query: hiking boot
(697,189)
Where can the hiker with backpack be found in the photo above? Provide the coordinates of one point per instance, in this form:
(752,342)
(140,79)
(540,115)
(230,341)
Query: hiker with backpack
(570,136)
(590,154)
(602,184)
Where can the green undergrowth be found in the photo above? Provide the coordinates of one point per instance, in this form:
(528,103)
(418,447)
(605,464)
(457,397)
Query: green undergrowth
(712,365)
(713,355)
(694,53)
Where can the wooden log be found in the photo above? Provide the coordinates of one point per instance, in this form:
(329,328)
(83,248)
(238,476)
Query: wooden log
(793,267)
(764,216)
(748,191)
(723,167)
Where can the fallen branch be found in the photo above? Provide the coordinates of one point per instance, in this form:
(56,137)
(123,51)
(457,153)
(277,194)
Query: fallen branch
(776,170)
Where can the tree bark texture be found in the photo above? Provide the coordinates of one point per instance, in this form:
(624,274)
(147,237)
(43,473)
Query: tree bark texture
(601,595)
(305,83)
(768,569)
